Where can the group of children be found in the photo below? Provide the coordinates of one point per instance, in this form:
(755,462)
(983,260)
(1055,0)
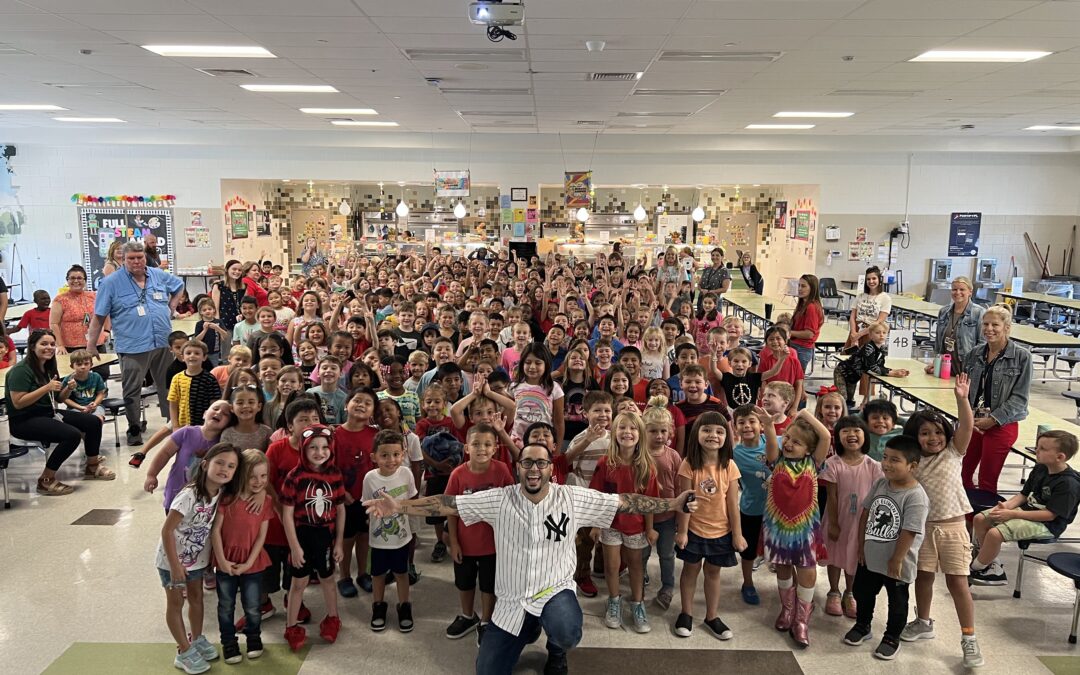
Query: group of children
(275,451)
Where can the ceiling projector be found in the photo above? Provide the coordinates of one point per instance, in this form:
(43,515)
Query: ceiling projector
(495,13)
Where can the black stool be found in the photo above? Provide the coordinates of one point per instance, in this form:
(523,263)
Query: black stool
(1068,564)
(5,457)
(115,406)
(1023,545)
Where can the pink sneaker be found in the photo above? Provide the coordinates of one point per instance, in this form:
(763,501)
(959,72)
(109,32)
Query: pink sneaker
(832,604)
(849,605)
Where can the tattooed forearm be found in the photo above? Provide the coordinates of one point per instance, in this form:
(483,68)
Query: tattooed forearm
(438,505)
(632,503)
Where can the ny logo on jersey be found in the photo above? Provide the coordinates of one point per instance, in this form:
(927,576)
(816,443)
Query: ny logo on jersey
(556,531)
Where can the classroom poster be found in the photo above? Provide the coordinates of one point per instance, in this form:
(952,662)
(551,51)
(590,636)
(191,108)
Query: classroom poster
(964,234)
(853,250)
(100,227)
(801,229)
(519,215)
(860,234)
(578,189)
(262,223)
(239,220)
(780,216)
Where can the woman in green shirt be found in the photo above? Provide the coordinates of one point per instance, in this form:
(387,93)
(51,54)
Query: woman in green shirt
(31,386)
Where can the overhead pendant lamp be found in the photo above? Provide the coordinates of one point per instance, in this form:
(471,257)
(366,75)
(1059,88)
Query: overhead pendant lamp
(344,208)
(582,215)
(639,213)
(402,209)
(698,214)
(459,210)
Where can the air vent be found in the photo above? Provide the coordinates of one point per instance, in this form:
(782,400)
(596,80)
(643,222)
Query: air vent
(9,50)
(897,93)
(654,114)
(516,125)
(227,72)
(497,113)
(478,91)
(612,77)
(495,55)
(721,57)
(589,123)
(679,92)
(96,85)
(641,127)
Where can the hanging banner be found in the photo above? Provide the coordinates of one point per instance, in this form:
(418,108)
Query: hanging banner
(452,183)
(964,234)
(100,227)
(577,188)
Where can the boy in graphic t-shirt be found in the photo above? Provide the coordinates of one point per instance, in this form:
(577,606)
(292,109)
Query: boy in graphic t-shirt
(755,433)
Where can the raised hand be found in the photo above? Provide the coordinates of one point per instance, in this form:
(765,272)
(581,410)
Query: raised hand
(962,386)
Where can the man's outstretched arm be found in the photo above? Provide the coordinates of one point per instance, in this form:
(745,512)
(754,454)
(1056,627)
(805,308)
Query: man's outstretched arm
(437,505)
(641,504)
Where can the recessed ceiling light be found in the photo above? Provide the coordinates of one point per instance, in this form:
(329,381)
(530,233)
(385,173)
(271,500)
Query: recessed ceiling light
(814,114)
(29,106)
(978,56)
(1045,127)
(790,127)
(290,88)
(339,111)
(88,119)
(359,123)
(208,51)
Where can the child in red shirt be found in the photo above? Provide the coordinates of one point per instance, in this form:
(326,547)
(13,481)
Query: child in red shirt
(473,548)
(352,451)
(38,317)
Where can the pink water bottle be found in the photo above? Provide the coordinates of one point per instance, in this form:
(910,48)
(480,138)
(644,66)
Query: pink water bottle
(946,366)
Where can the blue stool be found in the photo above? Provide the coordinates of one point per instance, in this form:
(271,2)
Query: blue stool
(1068,564)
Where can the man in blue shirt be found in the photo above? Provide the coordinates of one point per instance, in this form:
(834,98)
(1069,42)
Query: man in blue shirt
(140,300)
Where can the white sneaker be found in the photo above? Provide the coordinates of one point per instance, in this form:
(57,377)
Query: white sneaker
(613,618)
(973,657)
(918,630)
(641,618)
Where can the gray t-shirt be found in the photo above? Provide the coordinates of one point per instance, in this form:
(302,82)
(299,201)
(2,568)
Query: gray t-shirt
(891,511)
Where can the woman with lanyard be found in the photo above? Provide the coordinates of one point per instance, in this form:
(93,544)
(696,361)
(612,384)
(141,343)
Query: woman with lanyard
(1000,373)
(70,316)
(715,277)
(311,256)
(959,325)
(31,386)
(807,320)
(750,274)
(228,293)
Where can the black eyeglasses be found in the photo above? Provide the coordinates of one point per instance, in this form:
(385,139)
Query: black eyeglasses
(316,431)
(538,463)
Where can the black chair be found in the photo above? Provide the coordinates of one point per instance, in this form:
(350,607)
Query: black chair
(13,452)
(827,291)
(1068,565)
(1023,545)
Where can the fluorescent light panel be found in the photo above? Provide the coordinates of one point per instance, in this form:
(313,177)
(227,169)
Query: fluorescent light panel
(776,127)
(814,114)
(1046,127)
(290,88)
(211,51)
(93,120)
(359,123)
(29,106)
(978,56)
(339,111)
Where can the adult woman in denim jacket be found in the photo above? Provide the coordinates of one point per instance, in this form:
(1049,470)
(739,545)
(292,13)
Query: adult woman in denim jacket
(1000,373)
(959,325)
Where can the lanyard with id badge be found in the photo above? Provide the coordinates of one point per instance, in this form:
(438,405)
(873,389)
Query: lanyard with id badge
(140,294)
(982,407)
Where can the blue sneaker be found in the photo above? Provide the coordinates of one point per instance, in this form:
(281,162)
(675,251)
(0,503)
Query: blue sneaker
(190,662)
(750,596)
(207,651)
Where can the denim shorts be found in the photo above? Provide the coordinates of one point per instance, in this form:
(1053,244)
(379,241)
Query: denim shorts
(192,575)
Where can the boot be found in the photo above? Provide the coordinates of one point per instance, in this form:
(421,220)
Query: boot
(787,608)
(800,628)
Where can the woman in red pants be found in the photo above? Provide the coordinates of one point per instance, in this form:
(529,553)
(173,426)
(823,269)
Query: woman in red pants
(1000,373)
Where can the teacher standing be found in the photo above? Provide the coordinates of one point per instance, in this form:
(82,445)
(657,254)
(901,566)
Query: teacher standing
(959,325)
(535,553)
(716,277)
(312,257)
(807,320)
(1000,374)
(227,295)
(140,301)
(871,306)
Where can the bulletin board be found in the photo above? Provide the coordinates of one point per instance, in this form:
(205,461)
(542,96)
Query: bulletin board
(309,223)
(100,227)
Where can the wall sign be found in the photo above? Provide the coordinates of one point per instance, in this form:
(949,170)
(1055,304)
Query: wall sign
(452,183)
(239,222)
(780,216)
(262,223)
(100,227)
(964,234)
(578,188)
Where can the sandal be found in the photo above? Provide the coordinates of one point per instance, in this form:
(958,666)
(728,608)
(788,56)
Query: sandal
(53,488)
(136,459)
(98,471)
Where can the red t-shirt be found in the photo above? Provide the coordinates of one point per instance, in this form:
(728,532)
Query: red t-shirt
(791,372)
(620,480)
(282,458)
(478,539)
(256,291)
(315,495)
(811,320)
(427,426)
(502,454)
(6,358)
(640,391)
(240,529)
(783,425)
(352,454)
(35,318)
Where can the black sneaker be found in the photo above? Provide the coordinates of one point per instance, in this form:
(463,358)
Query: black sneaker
(718,628)
(886,651)
(857,635)
(404,617)
(462,626)
(254,647)
(134,438)
(991,575)
(684,625)
(438,554)
(364,582)
(231,651)
(378,616)
(480,628)
(556,665)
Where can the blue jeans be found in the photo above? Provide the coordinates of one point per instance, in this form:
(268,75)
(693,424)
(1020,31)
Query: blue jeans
(250,587)
(806,355)
(560,619)
(665,548)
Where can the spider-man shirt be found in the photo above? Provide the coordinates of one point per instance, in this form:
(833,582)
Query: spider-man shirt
(314,495)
